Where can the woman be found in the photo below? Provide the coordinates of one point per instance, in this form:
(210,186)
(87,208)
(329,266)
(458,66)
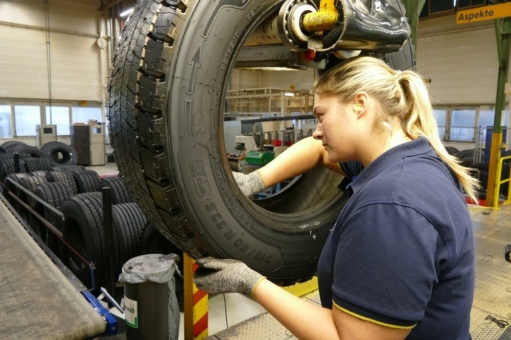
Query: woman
(399,262)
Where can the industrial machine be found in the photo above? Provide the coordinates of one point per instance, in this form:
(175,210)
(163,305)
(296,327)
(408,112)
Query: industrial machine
(89,143)
(45,133)
(97,143)
(244,144)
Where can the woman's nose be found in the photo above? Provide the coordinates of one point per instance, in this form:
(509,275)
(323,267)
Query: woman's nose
(318,133)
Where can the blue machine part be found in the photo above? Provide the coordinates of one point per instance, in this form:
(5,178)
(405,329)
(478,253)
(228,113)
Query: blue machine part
(111,321)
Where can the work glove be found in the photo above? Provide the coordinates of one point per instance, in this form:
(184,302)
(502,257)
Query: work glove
(217,276)
(249,184)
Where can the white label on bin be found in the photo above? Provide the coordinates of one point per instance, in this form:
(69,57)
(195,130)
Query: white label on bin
(131,312)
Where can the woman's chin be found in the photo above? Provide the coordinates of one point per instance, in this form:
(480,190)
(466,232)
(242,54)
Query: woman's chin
(334,159)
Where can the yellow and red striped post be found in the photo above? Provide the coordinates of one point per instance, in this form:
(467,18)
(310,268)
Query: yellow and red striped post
(195,304)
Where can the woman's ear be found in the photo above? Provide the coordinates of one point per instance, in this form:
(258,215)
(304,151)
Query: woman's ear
(361,99)
(360,102)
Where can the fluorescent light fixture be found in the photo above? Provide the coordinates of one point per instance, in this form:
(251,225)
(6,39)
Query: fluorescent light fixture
(126,12)
(289,94)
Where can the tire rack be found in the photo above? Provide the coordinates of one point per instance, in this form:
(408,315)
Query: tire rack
(111,321)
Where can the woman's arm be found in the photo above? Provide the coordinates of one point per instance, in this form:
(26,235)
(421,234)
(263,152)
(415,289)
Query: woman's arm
(298,159)
(304,319)
(310,321)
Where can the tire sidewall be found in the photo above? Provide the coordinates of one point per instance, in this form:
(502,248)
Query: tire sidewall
(197,194)
(92,245)
(231,225)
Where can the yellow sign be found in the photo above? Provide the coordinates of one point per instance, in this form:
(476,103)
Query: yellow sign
(484,13)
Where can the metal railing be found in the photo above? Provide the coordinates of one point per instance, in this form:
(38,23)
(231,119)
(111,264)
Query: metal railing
(41,201)
(498,182)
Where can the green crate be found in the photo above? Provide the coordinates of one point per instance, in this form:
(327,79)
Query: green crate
(259,157)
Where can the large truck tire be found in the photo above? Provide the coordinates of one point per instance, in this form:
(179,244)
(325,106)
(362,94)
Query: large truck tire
(9,146)
(25,149)
(84,236)
(60,153)
(120,193)
(466,157)
(167,92)
(86,181)
(65,177)
(8,168)
(83,231)
(9,187)
(55,194)
(129,220)
(69,168)
(29,183)
(37,164)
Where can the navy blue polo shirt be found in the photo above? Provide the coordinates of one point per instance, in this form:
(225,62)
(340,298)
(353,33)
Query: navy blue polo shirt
(401,253)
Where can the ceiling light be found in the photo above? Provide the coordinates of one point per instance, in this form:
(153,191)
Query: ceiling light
(289,94)
(125,13)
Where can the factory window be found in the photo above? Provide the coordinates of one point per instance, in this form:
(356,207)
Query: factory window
(84,114)
(470,3)
(462,127)
(486,119)
(441,119)
(5,121)
(439,7)
(26,118)
(58,115)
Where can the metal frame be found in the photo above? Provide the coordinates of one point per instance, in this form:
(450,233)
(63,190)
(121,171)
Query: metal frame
(504,50)
(498,182)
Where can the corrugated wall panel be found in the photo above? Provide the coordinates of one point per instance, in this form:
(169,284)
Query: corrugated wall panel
(75,57)
(23,63)
(460,61)
(25,12)
(81,12)
(75,68)
(64,14)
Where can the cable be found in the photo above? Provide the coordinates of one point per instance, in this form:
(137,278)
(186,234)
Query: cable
(225,308)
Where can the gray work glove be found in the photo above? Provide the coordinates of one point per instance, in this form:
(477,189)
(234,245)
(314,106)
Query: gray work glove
(249,184)
(217,276)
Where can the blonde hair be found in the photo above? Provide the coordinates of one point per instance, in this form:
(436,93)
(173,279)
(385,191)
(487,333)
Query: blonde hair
(402,95)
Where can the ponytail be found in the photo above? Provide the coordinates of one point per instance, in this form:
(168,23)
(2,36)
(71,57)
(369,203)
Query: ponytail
(420,122)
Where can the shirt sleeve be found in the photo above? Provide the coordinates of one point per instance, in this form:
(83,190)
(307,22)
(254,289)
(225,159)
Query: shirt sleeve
(385,265)
(351,169)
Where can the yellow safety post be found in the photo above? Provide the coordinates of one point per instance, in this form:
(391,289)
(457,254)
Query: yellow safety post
(304,288)
(503,33)
(322,20)
(492,189)
(498,182)
(195,304)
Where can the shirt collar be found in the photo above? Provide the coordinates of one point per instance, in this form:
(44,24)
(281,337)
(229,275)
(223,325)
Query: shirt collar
(416,147)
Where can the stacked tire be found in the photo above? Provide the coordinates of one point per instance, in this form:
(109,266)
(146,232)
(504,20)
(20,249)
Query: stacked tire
(74,191)
(84,231)
(60,153)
